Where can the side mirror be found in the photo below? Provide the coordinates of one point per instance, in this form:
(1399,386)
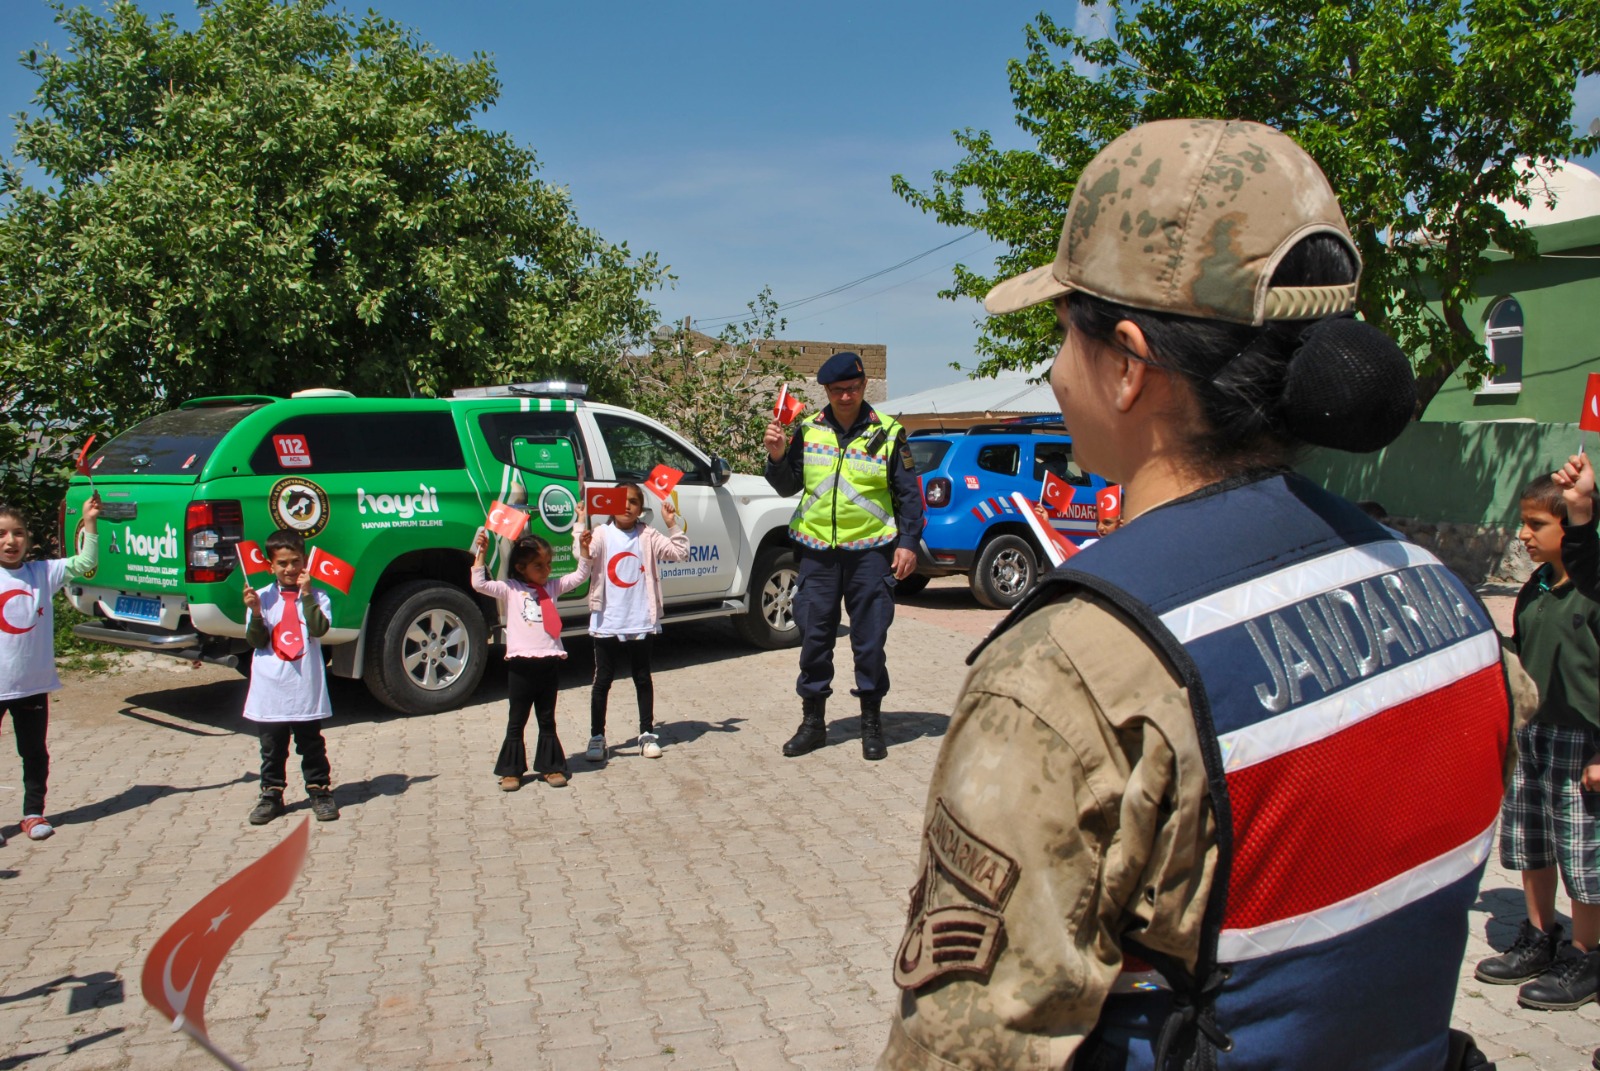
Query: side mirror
(720,471)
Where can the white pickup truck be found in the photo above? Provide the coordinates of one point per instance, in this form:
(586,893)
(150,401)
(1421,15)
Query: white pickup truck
(397,488)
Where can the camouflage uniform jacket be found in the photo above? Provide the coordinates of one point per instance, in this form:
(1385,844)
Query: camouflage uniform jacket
(1068,807)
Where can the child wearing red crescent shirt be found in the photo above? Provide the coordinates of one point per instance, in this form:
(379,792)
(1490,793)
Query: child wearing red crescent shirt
(27,647)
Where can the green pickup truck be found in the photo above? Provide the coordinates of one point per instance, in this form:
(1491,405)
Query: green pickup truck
(397,488)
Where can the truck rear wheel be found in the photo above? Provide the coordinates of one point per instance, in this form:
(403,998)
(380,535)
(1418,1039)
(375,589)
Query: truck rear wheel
(1006,568)
(426,649)
(769,622)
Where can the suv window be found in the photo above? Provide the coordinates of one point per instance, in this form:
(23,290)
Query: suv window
(636,450)
(999,457)
(364,442)
(927,453)
(171,443)
(1057,458)
(500,428)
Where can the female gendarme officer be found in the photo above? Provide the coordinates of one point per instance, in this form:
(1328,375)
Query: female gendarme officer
(1219,794)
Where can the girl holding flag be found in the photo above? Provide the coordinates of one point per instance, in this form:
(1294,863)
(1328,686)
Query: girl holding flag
(625,610)
(533,653)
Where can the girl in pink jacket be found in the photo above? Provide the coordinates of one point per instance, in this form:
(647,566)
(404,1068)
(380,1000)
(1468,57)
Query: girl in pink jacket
(533,655)
(625,611)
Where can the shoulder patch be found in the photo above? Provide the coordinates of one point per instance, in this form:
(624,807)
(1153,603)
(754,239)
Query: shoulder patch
(960,939)
(907,462)
(984,870)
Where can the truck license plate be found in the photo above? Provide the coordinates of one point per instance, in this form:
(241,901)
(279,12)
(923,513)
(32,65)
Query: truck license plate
(142,609)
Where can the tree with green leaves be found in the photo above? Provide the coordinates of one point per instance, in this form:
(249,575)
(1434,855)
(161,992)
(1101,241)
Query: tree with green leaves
(281,198)
(1418,111)
(717,391)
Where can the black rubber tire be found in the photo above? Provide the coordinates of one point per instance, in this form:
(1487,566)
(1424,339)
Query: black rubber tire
(428,624)
(911,585)
(769,622)
(1007,567)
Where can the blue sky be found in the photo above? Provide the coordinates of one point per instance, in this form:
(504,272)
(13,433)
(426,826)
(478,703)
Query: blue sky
(746,143)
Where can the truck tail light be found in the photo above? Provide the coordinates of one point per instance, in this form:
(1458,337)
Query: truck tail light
(938,492)
(211,530)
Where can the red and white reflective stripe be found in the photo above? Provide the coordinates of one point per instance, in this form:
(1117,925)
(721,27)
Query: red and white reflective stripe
(1356,911)
(1305,724)
(1297,583)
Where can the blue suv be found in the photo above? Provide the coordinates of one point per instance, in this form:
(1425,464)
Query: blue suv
(973,526)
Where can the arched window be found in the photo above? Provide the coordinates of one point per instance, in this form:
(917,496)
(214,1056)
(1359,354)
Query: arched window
(1502,333)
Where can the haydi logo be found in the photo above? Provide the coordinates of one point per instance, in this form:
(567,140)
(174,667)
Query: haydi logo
(151,548)
(399,505)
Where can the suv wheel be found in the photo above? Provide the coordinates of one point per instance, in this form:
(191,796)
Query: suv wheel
(769,622)
(1005,570)
(426,648)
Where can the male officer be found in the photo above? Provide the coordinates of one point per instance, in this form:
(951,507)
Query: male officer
(854,531)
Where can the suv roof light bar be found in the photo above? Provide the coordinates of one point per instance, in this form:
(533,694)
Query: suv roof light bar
(550,388)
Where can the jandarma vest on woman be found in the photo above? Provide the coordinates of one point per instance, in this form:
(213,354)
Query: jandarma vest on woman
(846,504)
(1353,713)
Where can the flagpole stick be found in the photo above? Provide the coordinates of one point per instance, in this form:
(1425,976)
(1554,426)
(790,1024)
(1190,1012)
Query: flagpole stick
(180,1023)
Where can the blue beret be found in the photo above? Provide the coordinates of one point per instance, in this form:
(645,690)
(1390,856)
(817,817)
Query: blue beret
(841,366)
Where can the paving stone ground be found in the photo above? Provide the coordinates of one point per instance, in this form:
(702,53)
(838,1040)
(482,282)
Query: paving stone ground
(719,908)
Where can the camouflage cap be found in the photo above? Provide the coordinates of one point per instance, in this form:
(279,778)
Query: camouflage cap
(1192,216)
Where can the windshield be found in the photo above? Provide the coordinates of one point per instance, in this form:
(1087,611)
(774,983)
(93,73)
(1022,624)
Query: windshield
(175,443)
(927,453)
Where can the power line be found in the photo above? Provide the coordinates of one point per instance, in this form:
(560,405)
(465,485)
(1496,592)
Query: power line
(896,286)
(717,321)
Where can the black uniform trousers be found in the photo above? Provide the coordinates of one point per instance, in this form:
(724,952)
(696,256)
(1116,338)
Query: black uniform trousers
(863,581)
(607,650)
(30,716)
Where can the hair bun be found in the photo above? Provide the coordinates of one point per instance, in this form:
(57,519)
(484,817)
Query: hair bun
(1349,387)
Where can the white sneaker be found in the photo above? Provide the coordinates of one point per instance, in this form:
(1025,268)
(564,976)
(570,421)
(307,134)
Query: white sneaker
(649,746)
(36,827)
(597,749)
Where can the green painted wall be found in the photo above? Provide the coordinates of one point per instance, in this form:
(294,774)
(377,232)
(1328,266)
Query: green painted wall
(1455,473)
(1560,298)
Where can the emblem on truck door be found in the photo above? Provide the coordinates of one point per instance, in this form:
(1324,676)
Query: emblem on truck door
(298,504)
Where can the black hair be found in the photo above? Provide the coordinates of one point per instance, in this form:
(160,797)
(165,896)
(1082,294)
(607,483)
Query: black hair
(1543,493)
(285,539)
(638,490)
(8,510)
(528,548)
(1257,405)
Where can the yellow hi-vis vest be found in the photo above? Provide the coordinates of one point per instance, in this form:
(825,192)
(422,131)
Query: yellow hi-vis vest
(846,504)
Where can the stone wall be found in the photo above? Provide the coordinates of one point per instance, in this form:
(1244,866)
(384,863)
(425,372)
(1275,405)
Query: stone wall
(1478,553)
(806,359)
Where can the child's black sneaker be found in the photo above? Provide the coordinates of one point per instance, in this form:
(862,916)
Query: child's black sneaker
(1571,983)
(268,807)
(1530,955)
(322,804)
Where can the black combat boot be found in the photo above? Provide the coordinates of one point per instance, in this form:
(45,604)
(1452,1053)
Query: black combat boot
(813,731)
(872,748)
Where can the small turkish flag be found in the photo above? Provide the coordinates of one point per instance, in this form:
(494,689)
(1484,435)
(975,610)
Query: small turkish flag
(1056,492)
(1057,547)
(194,947)
(330,570)
(787,406)
(663,478)
(506,520)
(83,455)
(251,560)
(1109,502)
(605,501)
(1590,420)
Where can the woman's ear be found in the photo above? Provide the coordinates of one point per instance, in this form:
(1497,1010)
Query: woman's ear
(1134,353)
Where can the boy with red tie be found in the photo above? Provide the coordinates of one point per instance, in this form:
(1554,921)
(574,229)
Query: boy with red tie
(288,694)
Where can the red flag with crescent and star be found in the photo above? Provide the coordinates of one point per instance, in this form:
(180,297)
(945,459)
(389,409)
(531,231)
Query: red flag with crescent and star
(663,478)
(334,572)
(1108,503)
(605,501)
(251,558)
(1057,547)
(505,520)
(1055,492)
(786,406)
(179,969)
(1590,419)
